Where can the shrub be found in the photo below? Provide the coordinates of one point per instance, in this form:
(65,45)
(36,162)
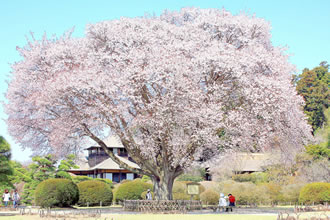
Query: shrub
(131,190)
(243,178)
(189,177)
(319,151)
(114,193)
(93,192)
(180,196)
(79,179)
(146,178)
(259,177)
(315,192)
(194,174)
(179,187)
(256,178)
(56,193)
(210,197)
(211,185)
(246,193)
(290,193)
(274,191)
(106,181)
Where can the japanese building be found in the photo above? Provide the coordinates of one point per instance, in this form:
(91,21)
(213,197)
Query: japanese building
(98,164)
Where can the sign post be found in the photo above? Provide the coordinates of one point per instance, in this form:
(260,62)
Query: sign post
(193,189)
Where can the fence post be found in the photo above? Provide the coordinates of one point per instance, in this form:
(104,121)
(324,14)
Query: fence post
(87,204)
(101,203)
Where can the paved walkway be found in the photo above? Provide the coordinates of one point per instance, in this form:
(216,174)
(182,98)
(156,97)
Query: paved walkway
(119,210)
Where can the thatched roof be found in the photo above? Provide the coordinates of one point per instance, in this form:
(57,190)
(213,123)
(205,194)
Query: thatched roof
(251,162)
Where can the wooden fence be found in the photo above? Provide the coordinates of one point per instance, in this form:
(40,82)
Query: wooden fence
(175,206)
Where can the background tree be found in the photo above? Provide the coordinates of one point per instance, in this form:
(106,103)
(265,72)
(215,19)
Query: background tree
(164,85)
(313,85)
(20,173)
(5,166)
(42,168)
(322,134)
(65,165)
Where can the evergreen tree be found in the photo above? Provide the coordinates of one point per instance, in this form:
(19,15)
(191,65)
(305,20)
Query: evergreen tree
(41,169)
(65,165)
(313,85)
(5,167)
(20,174)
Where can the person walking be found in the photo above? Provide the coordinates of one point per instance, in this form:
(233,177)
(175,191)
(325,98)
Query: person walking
(15,197)
(222,202)
(148,195)
(6,197)
(232,201)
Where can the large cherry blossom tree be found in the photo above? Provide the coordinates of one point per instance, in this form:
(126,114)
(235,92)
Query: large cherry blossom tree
(170,87)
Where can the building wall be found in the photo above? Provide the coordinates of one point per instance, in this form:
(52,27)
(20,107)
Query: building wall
(108,176)
(93,160)
(115,177)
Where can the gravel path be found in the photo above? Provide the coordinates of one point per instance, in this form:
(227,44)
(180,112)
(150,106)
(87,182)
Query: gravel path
(119,210)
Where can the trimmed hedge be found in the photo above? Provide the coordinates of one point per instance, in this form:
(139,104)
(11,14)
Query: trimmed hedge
(56,193)
(246,193)
(210,197)
(131,190)
(315,192)
(93,192)
(79,179)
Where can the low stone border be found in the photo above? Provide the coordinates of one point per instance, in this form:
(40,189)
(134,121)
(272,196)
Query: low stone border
(3,209)
(296,216)
(55,213)
(311,208)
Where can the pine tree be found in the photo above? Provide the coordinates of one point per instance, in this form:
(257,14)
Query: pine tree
(41,169)
(5,167)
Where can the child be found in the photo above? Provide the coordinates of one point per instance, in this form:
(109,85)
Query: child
(222,202)
(231,199)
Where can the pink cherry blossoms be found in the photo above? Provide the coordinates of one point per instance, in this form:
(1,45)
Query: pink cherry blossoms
(169,87)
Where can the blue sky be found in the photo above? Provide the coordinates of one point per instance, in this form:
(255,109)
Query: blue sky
(303,26)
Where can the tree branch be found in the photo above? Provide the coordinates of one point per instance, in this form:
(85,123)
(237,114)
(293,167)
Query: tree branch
(112,155)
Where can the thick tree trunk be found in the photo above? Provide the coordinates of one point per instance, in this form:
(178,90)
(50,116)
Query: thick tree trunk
(163,186)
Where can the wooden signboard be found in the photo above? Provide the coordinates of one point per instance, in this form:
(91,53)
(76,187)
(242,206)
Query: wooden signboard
(193,188)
